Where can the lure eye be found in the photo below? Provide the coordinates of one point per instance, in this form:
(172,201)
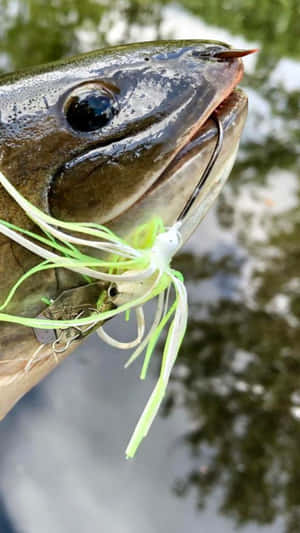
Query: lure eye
(113,291)
(90,108)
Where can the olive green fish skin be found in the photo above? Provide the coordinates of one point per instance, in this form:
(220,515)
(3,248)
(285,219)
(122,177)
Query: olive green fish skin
(164,92)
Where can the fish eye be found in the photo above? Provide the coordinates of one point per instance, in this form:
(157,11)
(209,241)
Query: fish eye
(90,108)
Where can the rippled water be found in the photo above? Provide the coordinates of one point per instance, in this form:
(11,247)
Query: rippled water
(225,450)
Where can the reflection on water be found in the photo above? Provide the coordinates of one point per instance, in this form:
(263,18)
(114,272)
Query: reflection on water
(228,441)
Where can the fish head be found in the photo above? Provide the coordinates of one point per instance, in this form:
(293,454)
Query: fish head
(120,135)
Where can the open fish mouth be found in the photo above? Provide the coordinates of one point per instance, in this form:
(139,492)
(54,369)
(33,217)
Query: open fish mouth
(230,112)
(227,112)
(231,109)
(196,163)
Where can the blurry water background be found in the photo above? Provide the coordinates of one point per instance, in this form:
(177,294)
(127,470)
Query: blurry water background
(225,450)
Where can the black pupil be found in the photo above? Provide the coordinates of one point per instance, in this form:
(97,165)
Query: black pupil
(89,112)
(113,291)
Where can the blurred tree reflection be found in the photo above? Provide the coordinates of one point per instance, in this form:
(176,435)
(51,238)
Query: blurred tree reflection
(274,24)
(238,375)
(36,31)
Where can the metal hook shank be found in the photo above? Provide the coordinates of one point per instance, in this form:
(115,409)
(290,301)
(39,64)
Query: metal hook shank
(213,158)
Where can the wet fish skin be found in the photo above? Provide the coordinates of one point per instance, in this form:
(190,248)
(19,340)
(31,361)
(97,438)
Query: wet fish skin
(165,92)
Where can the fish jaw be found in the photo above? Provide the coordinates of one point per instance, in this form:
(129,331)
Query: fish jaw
(175,186)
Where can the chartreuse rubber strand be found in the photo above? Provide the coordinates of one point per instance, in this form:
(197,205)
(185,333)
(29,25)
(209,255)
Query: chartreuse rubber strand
(140,268)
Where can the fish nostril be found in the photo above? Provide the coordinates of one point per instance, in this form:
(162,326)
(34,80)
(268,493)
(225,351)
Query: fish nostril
(209,52)
(198,53)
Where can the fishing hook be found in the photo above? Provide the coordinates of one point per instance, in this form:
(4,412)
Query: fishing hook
(210,164)
(68,342)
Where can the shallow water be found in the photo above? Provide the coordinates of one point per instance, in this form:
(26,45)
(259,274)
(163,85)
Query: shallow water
(225,450)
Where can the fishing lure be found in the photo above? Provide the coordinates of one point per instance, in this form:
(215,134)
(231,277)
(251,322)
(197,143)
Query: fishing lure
(138,270)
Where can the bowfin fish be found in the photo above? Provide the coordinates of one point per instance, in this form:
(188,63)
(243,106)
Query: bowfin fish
(111,137)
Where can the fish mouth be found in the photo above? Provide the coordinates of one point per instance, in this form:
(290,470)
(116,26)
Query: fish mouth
(171,191)
(233,104)
(227,112)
